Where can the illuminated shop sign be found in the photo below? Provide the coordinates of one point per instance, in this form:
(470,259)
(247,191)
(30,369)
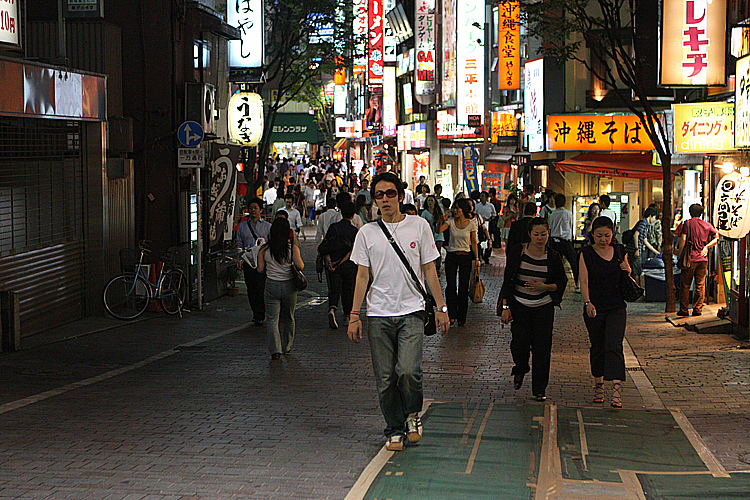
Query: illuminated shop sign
(425,49)
(732,206)
(360,34)
(245,116)
(509,54)
(10,27)
(704,127)
(390,118)
(375,43)
(247,16)
(389,39)
(412,136)
(596,133)
(533,104)
(449,51)
(742,103)
(470,60)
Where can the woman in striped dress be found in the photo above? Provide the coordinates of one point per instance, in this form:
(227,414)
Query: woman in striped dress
(534,284)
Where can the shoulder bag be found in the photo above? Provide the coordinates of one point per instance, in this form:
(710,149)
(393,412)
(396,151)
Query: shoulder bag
(299,279)
(683,261)
(631,290)
(250,256)
(430,325)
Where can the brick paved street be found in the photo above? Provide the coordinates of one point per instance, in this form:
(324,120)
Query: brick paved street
(168,408)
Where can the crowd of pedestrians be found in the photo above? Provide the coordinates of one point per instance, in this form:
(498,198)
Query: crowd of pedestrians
(376,239)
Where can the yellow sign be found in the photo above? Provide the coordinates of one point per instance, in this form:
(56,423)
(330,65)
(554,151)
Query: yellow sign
(503,125)
(704,127)
(693,43)
(596,133)
(509,53)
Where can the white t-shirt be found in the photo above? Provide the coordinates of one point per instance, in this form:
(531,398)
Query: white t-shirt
(608,212)
(393,292)
(269,196)
(408,196)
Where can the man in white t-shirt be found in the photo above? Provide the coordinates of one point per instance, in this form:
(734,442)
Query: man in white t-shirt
(408,195)
(269,195)
(604,201)
(396,327)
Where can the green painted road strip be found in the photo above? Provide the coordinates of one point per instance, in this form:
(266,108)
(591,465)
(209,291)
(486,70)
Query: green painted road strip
(502,451)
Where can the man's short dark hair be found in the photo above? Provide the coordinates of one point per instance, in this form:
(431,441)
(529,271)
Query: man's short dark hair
(696,210)
(408,207)
(347,209)
(529,209)
(330,203)
(605,200)
(342,197)
(650,212)
(289,196)
(387,177)
(438,187)
(257,201)
(474,195)
(560,200)
(492,191)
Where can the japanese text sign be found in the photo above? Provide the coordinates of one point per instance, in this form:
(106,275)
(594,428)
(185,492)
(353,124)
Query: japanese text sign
(742,104)
(375,43)
(469,161)
(360,34)
(732,206)
(703,127)
(596,133)
(533,104)
(247,16)
(448,49)
(509,48)
(448,129)
(504,124)
(424,11)
(10,28)
(222,191)
(245,117)
(693,42)
(389,40)
(390,116)
(470,60)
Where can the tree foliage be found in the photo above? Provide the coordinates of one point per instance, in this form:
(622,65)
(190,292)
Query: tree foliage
(601,35)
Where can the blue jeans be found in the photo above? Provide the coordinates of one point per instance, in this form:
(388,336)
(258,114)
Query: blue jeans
(281,300)
(396,348)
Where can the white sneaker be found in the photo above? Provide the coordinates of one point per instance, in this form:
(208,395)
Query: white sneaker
(395,443)
(332,319)
(413,428)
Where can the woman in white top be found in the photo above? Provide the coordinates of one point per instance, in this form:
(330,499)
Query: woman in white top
(276,259)
(462,251)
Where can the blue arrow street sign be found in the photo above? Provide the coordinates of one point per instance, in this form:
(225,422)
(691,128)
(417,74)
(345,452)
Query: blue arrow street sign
(190,134)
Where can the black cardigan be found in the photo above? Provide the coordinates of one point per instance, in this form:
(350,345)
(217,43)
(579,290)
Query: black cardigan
(556,274)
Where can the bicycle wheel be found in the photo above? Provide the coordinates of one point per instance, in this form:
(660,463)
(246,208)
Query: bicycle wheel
(126,298)
(174,290)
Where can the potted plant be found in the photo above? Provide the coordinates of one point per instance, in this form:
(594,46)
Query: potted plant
(232,275)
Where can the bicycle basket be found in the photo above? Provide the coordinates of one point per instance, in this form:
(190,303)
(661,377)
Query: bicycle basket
(128,260)
(175,257)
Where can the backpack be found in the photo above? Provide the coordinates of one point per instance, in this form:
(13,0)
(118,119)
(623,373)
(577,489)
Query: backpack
(627,236)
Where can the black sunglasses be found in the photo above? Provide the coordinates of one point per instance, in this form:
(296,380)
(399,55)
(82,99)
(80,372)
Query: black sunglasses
(390,193)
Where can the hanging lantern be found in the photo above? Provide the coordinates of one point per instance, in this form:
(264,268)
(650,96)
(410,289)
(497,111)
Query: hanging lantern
(245,118)
(732,206)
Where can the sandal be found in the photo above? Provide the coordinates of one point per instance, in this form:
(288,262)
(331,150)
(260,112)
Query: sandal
(616,397)
(599,392)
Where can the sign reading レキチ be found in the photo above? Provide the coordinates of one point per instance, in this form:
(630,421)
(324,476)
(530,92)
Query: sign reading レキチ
(703,127)
(596,133)
(732,206)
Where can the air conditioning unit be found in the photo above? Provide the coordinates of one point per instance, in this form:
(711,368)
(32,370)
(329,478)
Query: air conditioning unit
(200,99)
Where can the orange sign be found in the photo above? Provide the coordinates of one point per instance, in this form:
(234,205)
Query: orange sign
(509,54)
(596,133)
(503,125)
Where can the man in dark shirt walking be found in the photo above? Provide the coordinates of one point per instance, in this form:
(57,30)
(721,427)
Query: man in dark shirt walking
(519,230)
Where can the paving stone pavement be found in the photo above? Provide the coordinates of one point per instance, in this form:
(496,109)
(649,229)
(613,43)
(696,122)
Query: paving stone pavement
(193,408)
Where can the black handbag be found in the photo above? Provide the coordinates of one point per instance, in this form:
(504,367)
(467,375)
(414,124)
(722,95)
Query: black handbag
(630,289)
(298,278)
(428,315)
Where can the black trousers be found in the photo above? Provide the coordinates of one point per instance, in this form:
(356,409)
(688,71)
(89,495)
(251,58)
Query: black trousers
(341,283)
(256,286)
(565,248)
(606,333)
(457,293)
(531,331)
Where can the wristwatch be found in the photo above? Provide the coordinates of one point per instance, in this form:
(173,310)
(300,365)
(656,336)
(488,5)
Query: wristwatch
(506,306)
(444,309)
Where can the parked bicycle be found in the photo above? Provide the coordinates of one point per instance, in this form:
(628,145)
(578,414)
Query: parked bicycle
(127,296)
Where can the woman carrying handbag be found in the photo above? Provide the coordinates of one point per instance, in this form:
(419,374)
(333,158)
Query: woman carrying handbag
(604,308)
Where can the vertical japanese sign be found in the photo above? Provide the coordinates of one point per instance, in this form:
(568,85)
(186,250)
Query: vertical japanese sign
(469,162)
(533,104)
(424,11)
(375,43)
(470,60)
(223,187)
(360,35)
(339,100)
(9,22)
(390,118)
(732,206)
(247,16)
(509,48)
(389,40)
(693,42)
(742,104)
(449,52)
(245,117)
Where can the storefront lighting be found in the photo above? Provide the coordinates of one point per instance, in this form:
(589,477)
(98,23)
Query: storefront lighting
(727,168)
(745,171)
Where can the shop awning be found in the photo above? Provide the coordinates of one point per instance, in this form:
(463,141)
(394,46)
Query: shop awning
(339,144)
(632,165)
(501,154)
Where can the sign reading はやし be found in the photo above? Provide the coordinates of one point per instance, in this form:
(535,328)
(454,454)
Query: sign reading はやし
(596,133)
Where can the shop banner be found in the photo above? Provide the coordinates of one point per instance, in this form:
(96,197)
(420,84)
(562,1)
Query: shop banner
(742,103)
(706,127)
(693,43)
(509,55)
(732,206)
(294,127)
(424,33)
(360,35)
(470,60)
(245,117)
(469,162)
(375,43)
(390,110)
(448,48)
(247,16)
(223,189)
(389,38)
(596,133)
(504,124)
(533,105)
(421,166)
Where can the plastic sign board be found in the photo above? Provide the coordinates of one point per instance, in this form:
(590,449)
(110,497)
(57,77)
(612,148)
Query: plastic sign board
(469,162)
(390,110)
(693,43)
(732,206)
(470,80)
(191,158)
(10,26)
(190,134)
(247,16)
(448,49)
(389,40)
(504,124)
(360,34)
(533,104)
(703,127)
(245,117)
(375,43)
(424,77)
(509,54)
(742,104)
(596,133)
